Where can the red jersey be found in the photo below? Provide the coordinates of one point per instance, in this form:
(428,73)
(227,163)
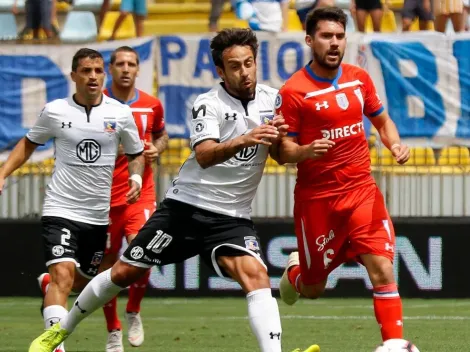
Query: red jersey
(148,116)
(315,107)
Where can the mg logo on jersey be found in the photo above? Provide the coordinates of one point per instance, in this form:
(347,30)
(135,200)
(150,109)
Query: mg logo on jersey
(247,154)
(322,105)
(88,151)
(342,101)
(345,131)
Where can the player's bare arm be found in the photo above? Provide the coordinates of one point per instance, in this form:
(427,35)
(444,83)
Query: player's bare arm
(158,145)
(390,138)
(18,157)
(280,123)
(136,169)
(210,152)
(291,152)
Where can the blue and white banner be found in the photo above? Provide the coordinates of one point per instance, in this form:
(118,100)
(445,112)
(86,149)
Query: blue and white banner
(32,75)
(423,78)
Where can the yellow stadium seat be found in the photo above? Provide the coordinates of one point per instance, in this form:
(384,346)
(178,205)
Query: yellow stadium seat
(415,25)
(175,143)
(294,23)
(454,155)
(388,24)
(385,157)
(125,31)
(374,158)
(422,156)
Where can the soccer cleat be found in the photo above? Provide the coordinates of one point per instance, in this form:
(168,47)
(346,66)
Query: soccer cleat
(49,340)
(313,348)
(288,293)
(114,343)
(136,329)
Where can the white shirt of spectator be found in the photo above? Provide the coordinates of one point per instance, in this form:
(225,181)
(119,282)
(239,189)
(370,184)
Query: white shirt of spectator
(85,154)
(229,187)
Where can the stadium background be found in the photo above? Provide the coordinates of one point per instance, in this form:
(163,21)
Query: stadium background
(423,79)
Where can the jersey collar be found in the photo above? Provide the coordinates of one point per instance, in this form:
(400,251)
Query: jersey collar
(130,102)
(91,106)
(334,81)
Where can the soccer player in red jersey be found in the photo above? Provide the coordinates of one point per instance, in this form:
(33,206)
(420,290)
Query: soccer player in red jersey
(126,220)
(339,212)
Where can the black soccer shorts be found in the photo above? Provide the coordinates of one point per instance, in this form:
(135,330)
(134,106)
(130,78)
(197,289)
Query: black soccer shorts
(78,242)
(178,231)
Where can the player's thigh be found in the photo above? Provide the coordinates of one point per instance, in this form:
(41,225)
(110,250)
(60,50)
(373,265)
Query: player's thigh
(321,239)
(370,227)
(231,248)
(117,222)
(137,215)
(167,237)
(91,248)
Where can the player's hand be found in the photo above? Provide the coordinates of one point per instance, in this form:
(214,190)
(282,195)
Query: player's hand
(401,153)
(319,147)
(260,135)
(134,192)
(150,153)
(280,123)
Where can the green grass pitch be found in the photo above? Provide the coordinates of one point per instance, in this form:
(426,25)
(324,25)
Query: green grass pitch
(220,325)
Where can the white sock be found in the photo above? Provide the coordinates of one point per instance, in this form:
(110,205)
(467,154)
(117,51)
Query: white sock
(52,315)
(96,294)
(265,321)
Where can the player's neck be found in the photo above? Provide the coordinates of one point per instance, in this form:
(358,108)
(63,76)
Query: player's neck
(88,104)
(123,94)
(323,72)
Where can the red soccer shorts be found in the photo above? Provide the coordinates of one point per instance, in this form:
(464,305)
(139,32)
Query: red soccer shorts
(126,220)
(334,230)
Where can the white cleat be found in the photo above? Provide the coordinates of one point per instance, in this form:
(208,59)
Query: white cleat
(136,329)
(114,343)
(288,293)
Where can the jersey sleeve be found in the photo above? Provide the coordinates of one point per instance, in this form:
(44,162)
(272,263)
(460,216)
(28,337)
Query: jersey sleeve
(158,119)
(43,129)
(130,136)
(287,105)
(372,104)
(205,123)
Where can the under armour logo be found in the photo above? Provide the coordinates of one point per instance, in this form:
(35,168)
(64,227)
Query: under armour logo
(278,335)
(389,247)
(67,124)
(322,105)
(399,323)
(52,322)
(80,309)
(232,117)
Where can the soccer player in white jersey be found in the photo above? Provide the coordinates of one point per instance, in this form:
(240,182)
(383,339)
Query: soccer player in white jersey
(87,129)
(207,211)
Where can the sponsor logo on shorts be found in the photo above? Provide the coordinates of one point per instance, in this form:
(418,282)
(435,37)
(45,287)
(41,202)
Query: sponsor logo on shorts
(97,258)
(137,252)
(57,250)
(251,243)
(323,240)
(328,257)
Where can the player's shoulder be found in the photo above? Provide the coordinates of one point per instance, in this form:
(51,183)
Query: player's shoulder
(118,109)
(57,107)
(352,71)
(294,82)
(263,89)
(212,99)
(147,99)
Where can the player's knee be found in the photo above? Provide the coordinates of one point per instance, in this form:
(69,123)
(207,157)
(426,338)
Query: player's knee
(123,274)
(313,291)
(62,276)
(382,273)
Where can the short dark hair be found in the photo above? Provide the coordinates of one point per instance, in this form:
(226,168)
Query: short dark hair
(84,53)
(227,38)
(334,14)
(126,49)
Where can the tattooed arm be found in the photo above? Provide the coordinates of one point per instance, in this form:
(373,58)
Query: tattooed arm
(210,152)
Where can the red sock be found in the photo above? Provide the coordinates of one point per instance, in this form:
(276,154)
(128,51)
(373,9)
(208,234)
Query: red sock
(294,277)
(388,311)
(110,313)
(137,293)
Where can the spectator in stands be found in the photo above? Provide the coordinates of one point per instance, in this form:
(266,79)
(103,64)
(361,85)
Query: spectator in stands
(420,9)
(361,8)
(38,15)
(264,15)
(217,7)
(303,7)
(445,9)
(138,8)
